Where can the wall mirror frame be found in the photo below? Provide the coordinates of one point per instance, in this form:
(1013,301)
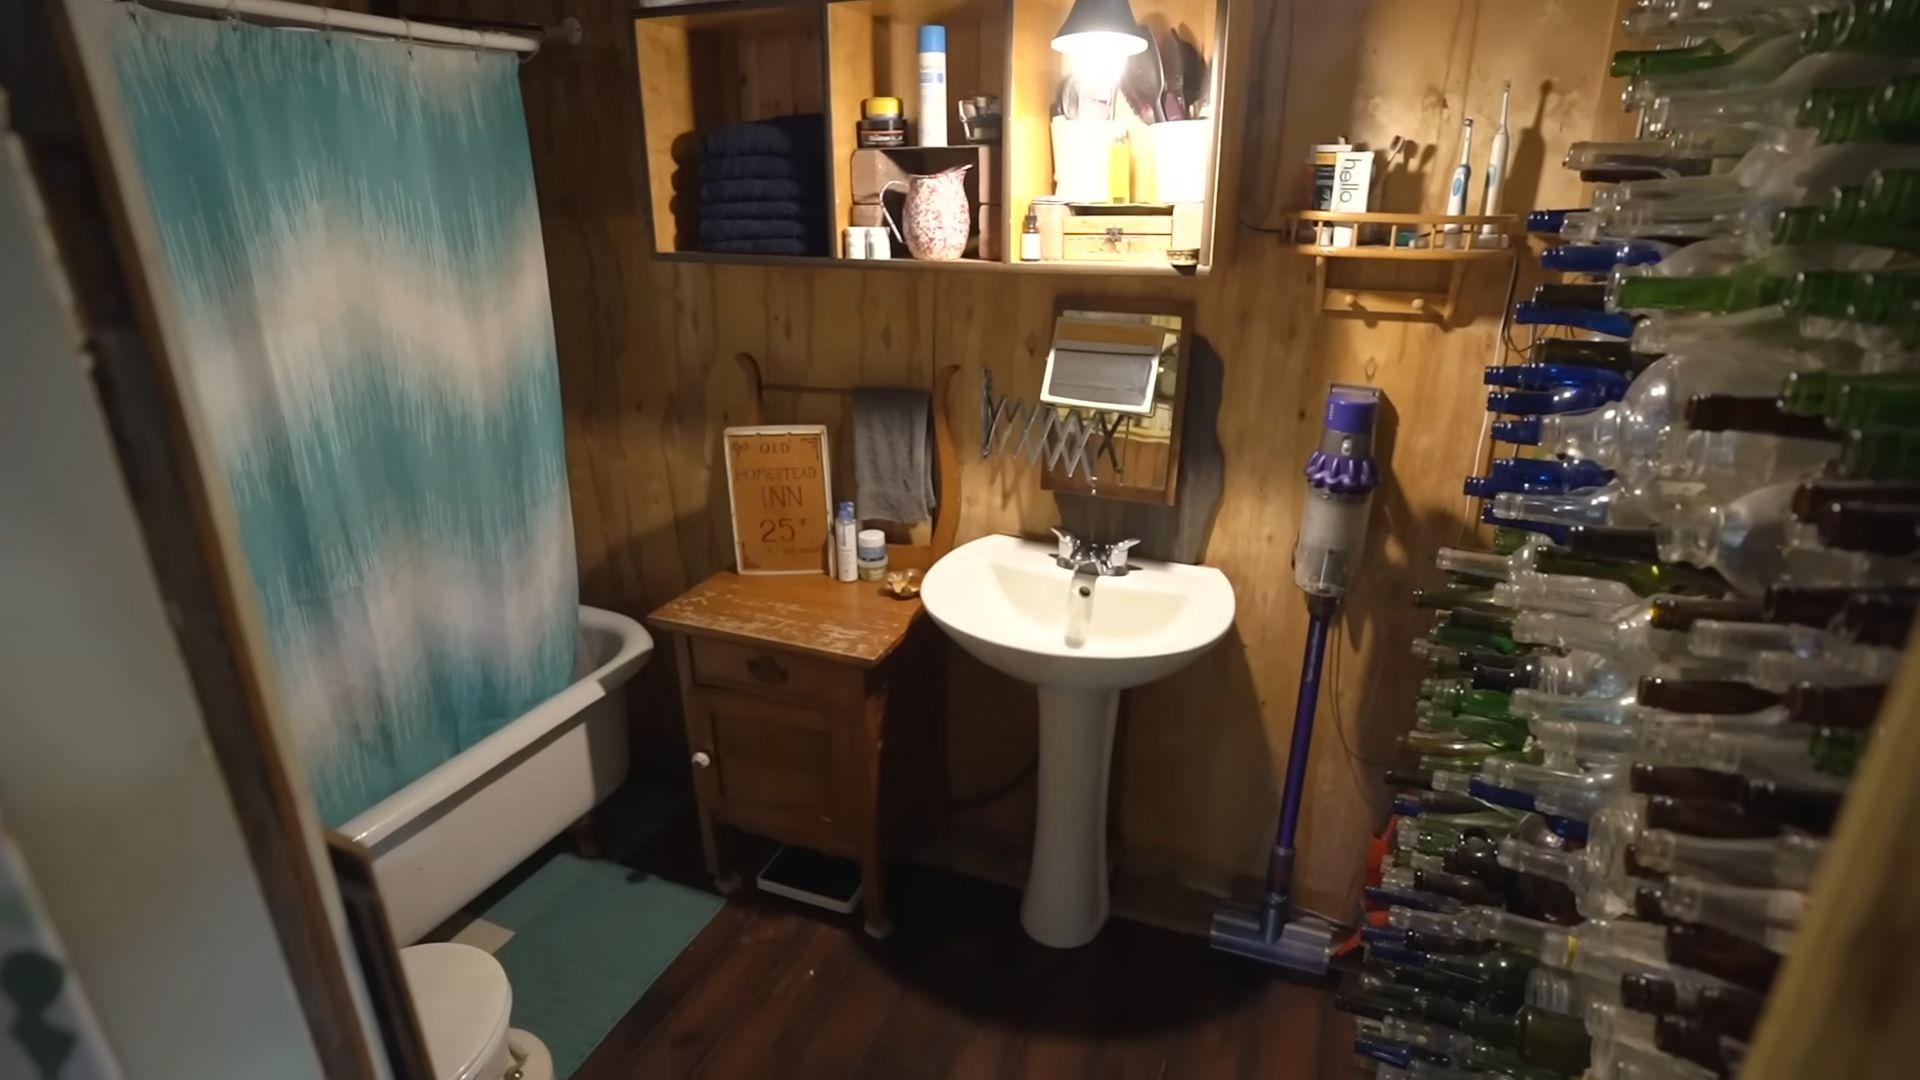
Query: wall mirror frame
(1139,461)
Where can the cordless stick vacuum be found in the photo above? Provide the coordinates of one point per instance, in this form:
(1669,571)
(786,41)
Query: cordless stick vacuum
(1333,529)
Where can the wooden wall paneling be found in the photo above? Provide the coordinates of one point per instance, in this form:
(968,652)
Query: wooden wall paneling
(667,97)
(1032,86)
(1200,755)
(850,74)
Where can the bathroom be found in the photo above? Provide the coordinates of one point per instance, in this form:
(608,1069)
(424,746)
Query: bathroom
(612,882)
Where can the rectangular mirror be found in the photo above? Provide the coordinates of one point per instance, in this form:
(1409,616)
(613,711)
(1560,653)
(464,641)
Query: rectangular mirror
(1120,364)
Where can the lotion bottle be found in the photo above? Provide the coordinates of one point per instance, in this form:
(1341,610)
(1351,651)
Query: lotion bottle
(846,565)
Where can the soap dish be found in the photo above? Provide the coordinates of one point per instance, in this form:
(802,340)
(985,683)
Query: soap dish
(903,584)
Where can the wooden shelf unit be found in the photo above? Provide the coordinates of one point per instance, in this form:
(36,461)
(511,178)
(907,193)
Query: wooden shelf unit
(702,65)
(1400,296)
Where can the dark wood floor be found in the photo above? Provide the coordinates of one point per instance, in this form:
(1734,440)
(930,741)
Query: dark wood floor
(773,989)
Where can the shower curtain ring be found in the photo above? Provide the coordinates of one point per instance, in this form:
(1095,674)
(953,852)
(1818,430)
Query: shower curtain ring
(407,25)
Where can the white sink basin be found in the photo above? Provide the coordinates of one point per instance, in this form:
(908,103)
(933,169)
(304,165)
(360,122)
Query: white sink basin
(1003,599)
(1006,602)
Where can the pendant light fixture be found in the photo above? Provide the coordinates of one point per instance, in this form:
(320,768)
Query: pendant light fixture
(1096,27)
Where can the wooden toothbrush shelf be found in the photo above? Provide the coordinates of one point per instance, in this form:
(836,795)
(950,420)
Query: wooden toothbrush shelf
(1402,238)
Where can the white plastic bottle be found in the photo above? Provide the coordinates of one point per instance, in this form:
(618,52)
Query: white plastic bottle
(846,560)
(932,121)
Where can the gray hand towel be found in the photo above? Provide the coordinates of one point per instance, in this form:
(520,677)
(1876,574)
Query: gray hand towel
(892,459)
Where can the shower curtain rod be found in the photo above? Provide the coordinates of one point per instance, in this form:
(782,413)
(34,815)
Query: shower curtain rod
(286,13)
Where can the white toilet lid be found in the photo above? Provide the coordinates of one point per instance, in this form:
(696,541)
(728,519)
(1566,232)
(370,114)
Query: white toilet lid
(463,1000)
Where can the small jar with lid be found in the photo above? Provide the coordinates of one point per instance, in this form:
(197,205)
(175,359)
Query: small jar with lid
(872,555)
(881,124)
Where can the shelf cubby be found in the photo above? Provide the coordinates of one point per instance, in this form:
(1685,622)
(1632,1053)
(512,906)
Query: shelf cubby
(704,65)
(1408,240)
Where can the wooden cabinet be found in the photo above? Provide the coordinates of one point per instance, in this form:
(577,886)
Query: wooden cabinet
(704,65)
(810,718)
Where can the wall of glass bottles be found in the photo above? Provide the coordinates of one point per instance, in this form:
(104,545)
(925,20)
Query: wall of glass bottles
(1646,702)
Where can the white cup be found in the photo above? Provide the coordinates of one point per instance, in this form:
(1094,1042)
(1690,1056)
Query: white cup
(879,244)
(855,242)
(1181,151)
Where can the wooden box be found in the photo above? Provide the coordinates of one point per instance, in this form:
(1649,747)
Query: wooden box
(1118,232)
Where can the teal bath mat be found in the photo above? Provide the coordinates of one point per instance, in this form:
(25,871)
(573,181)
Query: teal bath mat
(589,937)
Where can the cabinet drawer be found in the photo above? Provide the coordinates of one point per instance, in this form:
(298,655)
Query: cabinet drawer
(772,671)
(769,762)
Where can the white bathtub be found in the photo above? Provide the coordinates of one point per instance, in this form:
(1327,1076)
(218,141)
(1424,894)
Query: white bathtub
(441,840)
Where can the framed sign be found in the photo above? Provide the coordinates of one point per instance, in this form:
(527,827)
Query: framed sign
(780,489)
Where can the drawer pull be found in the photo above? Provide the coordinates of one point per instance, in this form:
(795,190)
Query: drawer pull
(766,669)
(702,759)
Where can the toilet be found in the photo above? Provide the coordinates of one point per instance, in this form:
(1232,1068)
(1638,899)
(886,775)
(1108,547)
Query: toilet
(462,998)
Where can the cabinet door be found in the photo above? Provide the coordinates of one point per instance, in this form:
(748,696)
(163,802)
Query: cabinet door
(771,766)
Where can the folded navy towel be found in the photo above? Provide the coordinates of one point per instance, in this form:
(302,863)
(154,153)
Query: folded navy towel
(752,230)
(721,191)
(759,167)
(757,247)
(800,134)
(757,211)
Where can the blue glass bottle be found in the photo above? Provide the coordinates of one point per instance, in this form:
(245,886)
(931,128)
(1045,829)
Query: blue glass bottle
(1613,323)
(1602,258)
(1550,221)
(1532,376)
(1537,476)
(1558,399)
(1522,432)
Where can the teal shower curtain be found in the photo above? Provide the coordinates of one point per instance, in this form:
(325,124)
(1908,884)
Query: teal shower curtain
(352,243)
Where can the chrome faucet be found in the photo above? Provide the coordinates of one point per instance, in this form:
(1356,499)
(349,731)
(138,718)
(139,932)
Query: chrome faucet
(1087,557)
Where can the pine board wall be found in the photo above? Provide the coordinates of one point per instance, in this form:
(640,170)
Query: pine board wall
(648,381)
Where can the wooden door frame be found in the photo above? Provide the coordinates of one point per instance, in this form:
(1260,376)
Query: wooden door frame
(184,526)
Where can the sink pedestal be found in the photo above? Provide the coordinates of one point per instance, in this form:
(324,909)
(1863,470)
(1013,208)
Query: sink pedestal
(1066,899)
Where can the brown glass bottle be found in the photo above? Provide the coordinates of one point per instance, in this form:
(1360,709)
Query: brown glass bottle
(1759,415)
(1810,811)
(1611,355)
(1718,953)
(1718,696)
(1835,706)
(1878,618)
(1706,817)
(1809,497)
(1692,1040)
(1882,530)
(1731,1009)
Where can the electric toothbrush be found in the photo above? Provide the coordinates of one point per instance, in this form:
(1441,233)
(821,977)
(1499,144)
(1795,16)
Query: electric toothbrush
(1496,165)
(1457,191)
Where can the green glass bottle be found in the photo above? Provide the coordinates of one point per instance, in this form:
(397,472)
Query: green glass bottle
(1837,750)
(1457,695)
(1880,454)
(1501,973)
(1455,637)
(1466,762)
(1644,578)
(1871,296)
(1539,1036)
(1891,404)
(1506,541)
(1497,734)
(1704,56)
(1750,286)
(1833,395)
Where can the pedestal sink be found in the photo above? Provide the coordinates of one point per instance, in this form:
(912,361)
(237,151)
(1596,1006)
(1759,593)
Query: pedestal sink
(1006,602)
